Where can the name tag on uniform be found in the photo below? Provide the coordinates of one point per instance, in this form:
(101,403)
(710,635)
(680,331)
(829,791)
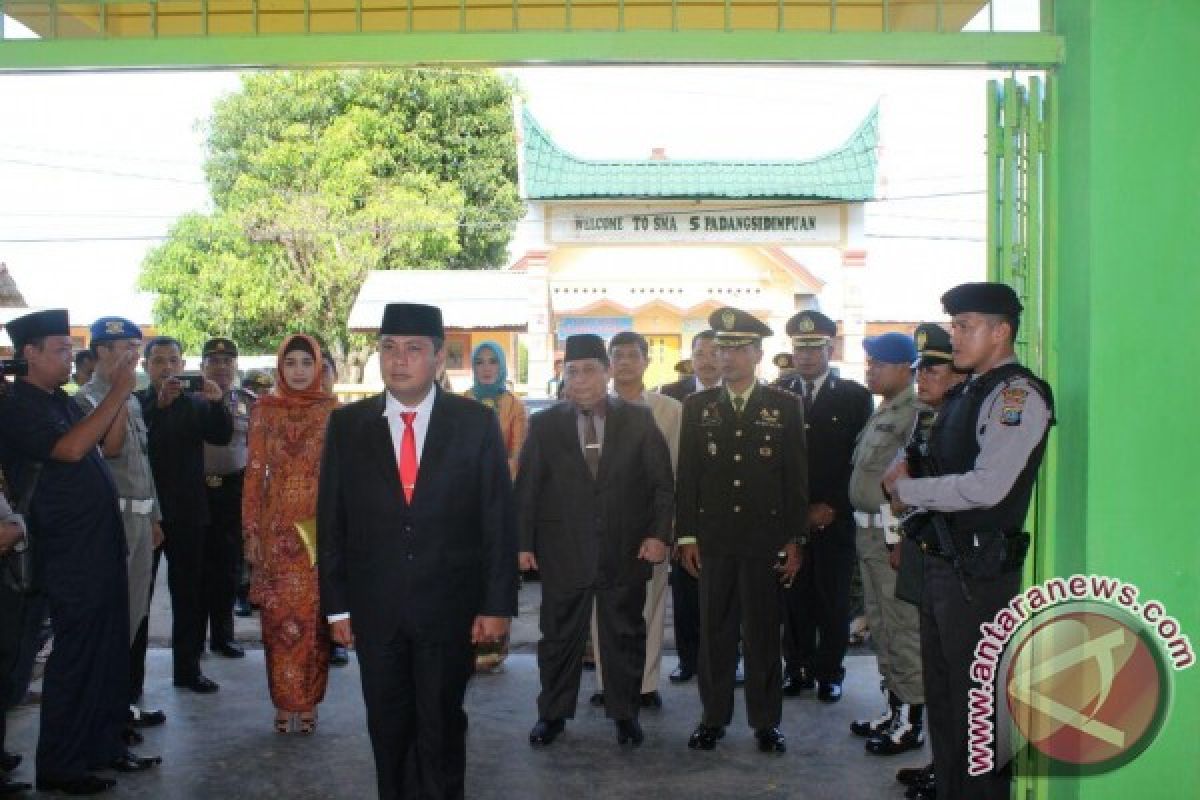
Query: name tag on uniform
(769,418)
(885,427)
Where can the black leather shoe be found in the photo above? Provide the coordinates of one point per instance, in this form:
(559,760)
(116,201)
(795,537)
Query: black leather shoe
(134,763)
(87,784)
(8,787)
(229,650)
(9,761)
(681,674)
(770,740)
(829,692)
(338,657)
(922,791)
(141,718)
(705,737)
(199,684)
(651,700)
(131,737)
(797,682)
(629,731)
(546,731)
(597,699)
(911,776)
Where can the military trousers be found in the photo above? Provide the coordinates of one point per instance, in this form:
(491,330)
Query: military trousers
(894,624)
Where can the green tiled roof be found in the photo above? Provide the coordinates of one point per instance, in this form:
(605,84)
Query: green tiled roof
(846,173)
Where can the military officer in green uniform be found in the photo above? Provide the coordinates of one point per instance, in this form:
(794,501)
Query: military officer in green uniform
(224,468)
(985,450)
(741,518)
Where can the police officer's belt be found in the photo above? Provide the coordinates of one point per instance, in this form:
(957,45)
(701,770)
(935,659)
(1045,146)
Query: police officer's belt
(984,553)
(141,507)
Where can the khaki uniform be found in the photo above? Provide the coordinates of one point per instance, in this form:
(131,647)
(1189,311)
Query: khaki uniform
(894,623)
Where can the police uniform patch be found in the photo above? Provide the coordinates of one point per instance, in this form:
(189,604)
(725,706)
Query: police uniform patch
(1012,403)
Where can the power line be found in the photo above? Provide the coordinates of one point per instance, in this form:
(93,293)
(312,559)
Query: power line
(98,171)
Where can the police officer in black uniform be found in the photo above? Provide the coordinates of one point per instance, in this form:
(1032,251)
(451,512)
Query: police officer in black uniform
(817,607)
(224,469)
(985,449)
(741,516)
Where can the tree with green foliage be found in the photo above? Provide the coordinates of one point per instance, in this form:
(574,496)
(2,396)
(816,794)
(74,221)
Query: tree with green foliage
(318,177)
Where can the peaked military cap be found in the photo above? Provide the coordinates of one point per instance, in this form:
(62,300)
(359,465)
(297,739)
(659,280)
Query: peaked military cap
(933,345)
(735,327)
(984,297)
(811,329)
(111,329)
(412,319)
(24,329)
(219,346)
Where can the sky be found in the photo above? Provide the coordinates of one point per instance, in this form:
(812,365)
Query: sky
(95,167)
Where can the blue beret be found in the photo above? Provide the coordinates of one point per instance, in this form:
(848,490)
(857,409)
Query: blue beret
(109,329)
(891,348)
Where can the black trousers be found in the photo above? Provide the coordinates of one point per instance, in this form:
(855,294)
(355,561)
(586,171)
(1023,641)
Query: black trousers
(141,640)
(949,633)
(685,604)
(86,681)
(816,610)
(222,558)
(413,689)
(740,591)
(566,624)
(184,548)
(20,624)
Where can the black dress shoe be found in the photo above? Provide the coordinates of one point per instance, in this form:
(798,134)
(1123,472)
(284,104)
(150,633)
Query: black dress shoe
(546,731)
(629,731)
(9,761)
(229,650)
(199,684)
(829,692)
(770,740)
(705,737)
(597,699)
(128,762)
(8,787)
(131,737)
(651,700)
(87,784)
(681,674)
(911,776)
(799,681)
(338,657)
(141,718)
(922,791)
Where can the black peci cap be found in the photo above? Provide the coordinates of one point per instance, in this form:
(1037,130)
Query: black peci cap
(25,329)
(412,319)
(585,345)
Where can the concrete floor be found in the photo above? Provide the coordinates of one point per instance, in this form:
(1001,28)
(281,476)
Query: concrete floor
(222,745)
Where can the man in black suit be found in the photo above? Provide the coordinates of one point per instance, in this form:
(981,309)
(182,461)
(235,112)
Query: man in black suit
(595,496)
(417,553)
(816,608)
(684,598)
(742,504)
(179,424)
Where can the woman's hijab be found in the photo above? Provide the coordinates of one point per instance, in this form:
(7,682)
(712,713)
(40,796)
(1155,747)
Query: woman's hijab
(489,391)
(284,395)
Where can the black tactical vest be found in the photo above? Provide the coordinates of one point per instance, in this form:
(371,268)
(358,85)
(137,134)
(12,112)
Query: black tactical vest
(954,447)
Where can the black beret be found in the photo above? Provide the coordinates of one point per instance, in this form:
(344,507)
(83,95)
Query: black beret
(983,298)
(933,345)
(219,346)
(736,327)
(811,329)
(412,319)
(24,329)
(585,345)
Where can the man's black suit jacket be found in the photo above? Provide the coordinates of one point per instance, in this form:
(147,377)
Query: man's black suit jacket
(429,568)
(585,531)
(680,389)
(839,412)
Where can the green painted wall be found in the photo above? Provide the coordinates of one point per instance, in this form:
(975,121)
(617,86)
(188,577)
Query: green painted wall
(1127,335)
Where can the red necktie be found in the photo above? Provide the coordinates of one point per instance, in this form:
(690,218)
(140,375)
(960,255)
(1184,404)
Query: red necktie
(408,455)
